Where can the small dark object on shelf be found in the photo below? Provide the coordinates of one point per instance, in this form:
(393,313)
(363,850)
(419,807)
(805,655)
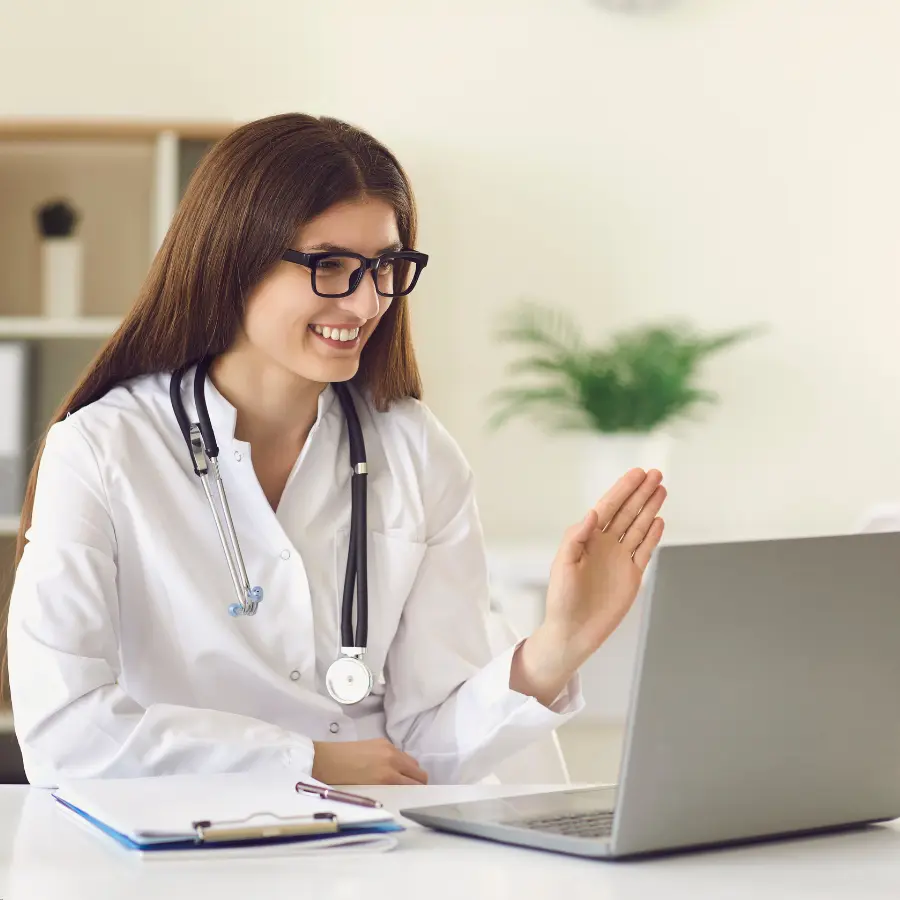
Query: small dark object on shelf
(57,218)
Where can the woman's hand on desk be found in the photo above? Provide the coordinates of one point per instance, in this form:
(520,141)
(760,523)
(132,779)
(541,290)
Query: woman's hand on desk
(365,762)
(594,580)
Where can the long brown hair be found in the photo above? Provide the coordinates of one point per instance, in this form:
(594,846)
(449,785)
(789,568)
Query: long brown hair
(242,208)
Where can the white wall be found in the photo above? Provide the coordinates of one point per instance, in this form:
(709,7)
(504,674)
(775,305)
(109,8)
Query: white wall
(733,161)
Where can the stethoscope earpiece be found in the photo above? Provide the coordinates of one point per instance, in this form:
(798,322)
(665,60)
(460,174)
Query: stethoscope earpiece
(348,679)
(254,598)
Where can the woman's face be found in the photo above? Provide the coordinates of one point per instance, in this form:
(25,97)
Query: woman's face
(285,319)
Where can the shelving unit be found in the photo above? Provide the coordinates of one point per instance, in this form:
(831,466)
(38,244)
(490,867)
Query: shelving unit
(125,179)
(36,327)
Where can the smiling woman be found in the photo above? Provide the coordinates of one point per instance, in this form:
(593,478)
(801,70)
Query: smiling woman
(272,337)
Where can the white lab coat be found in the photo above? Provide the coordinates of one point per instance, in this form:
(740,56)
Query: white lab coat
(125,662)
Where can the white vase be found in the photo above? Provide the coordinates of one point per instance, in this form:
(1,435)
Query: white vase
(607,457)
(61,277)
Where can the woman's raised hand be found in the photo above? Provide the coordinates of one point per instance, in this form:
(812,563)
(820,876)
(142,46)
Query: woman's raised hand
(594,580)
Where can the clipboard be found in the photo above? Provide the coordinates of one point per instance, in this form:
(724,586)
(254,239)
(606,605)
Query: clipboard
(150,815)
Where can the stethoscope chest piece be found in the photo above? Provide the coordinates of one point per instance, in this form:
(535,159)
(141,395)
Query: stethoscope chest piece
(349,680)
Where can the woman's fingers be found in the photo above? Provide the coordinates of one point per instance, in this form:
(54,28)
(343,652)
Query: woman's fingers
(627,511)
(639,528)
(611,502)
(633,504)
(648,545)
(408,767)
(609,505)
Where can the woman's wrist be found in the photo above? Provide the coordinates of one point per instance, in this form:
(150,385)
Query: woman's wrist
(544,664)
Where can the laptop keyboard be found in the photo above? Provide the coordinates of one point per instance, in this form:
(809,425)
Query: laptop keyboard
(586,825)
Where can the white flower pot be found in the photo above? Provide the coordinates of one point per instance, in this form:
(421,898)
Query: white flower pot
(607,457)
(61,277)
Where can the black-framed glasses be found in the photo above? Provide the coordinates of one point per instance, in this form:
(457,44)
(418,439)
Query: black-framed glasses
(338,273)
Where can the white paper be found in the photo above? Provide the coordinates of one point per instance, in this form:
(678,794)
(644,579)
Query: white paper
(166,806)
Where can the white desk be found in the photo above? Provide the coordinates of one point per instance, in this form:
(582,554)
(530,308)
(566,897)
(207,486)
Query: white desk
(44,856)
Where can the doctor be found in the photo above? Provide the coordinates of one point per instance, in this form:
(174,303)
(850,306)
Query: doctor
(246,545)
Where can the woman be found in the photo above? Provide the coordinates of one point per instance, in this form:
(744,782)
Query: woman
(286,272)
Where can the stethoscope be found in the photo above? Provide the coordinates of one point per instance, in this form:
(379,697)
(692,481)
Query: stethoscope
(348,679)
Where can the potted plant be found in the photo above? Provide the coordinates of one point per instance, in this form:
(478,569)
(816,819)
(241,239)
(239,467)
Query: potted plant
(61,259)
(624,395)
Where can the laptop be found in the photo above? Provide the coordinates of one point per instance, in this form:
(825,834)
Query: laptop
(766,703)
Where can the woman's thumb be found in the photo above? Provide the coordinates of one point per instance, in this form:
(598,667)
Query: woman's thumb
(573,545)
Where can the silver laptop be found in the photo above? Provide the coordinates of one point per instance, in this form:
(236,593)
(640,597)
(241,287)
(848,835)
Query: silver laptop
(766,703)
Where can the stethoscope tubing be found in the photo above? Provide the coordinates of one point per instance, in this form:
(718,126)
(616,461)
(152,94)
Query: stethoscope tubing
(201,442)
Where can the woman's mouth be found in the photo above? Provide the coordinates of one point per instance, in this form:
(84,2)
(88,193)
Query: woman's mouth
(336,335)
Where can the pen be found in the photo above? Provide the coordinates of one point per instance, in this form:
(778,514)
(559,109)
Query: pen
(327,793)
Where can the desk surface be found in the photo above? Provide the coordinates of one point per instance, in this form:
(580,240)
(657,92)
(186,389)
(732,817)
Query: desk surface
(44,856)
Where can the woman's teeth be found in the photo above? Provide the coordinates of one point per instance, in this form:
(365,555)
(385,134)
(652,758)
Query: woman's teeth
(337,334)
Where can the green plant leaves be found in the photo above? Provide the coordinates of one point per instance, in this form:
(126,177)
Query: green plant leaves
(643,379)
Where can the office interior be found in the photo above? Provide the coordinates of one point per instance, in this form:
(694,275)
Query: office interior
(629,164)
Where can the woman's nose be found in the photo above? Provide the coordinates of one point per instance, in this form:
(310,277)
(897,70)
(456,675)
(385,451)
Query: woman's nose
(364,302)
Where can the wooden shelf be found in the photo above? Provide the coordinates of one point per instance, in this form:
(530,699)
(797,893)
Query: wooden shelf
(39,327)
(109,129)
(9,526)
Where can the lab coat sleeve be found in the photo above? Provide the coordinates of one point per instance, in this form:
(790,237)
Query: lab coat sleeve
(72,717)
(448,702)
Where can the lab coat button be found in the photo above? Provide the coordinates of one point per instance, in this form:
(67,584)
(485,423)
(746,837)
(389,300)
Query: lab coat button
(334,728)
(237,455)
(295,675)
(285,554)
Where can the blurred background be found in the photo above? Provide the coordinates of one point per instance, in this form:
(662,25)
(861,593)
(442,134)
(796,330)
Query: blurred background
(626,163)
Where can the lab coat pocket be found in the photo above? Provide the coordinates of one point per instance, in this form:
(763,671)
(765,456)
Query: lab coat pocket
(393,564)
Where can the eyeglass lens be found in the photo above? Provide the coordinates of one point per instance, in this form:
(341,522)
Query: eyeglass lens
(336,274)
